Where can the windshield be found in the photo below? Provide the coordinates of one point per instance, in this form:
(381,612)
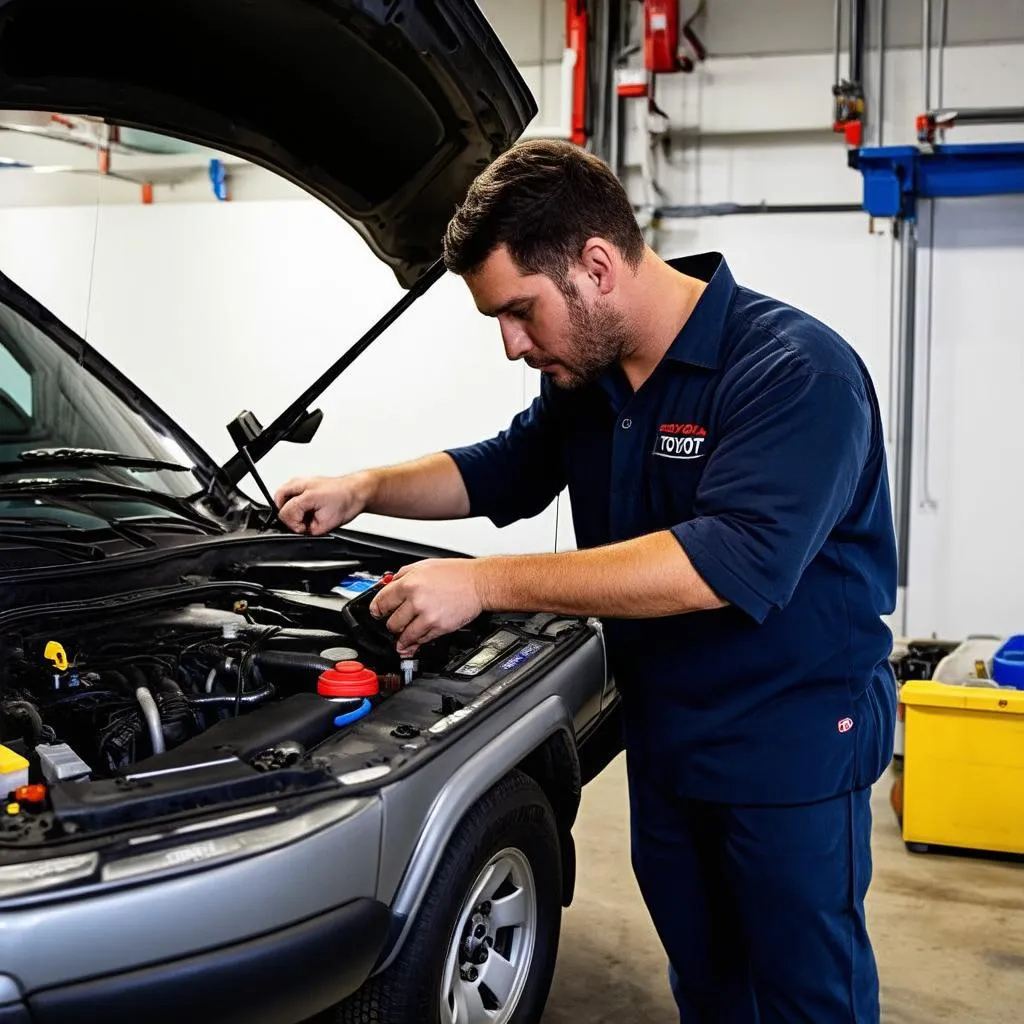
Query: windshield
(48,400)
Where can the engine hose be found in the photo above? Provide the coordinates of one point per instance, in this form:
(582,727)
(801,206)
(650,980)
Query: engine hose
(309,664)
(227,700)
(152,715)
(317,636)
(23,709)
(116,680)
(353,716)
(171,701)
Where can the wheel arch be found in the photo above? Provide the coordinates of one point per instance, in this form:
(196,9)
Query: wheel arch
(542,738)
(555,767)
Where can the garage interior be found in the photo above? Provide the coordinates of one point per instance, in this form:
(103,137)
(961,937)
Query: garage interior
(797,138)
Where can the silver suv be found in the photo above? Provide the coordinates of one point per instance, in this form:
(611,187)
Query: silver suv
(225,799)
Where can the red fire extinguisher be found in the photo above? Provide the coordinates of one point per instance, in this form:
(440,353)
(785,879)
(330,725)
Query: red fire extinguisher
(662,37)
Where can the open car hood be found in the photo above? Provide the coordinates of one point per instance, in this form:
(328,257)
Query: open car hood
(383,109)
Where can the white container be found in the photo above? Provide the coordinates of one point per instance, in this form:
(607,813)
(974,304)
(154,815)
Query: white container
(960,666)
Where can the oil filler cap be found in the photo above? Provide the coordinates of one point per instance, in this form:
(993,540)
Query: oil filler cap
(348,679)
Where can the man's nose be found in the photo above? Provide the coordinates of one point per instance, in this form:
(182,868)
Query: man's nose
(516,341)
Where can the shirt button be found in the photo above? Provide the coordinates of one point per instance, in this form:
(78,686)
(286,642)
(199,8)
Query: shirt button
(626,424)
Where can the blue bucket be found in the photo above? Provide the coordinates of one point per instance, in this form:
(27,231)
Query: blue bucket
(1008,663)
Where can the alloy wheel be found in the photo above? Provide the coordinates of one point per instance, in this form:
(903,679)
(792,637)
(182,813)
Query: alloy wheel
(491,951)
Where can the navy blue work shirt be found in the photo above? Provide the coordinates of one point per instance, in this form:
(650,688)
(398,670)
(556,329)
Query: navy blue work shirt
(757,441)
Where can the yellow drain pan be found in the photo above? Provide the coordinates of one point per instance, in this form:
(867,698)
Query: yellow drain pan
(963,781)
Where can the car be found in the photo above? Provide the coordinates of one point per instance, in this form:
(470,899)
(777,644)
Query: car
(226,798)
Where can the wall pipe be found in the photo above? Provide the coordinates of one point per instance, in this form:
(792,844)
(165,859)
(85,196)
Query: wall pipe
(926,53)
(878,106)
(905,406)
(857,15)
(837,27)
(730,209)
(976,115)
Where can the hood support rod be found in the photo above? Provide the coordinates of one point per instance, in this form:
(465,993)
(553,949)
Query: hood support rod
(238,465)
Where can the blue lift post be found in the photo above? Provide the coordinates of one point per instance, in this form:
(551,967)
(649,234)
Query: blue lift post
(895,178)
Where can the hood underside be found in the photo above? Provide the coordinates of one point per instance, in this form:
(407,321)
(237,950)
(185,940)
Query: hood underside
(383,109)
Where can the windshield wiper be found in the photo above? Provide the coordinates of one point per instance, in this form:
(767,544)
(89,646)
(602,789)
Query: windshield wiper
(77,495)
(20,532)
(87,457)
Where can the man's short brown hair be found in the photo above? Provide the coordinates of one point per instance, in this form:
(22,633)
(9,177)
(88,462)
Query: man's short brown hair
(543,200)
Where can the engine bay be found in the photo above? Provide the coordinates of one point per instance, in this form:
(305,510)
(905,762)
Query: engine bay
(158,703)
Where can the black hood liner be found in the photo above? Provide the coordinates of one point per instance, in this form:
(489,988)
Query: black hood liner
(383,109)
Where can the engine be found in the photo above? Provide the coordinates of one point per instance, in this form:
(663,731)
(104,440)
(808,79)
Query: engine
(124,709)
(99,695)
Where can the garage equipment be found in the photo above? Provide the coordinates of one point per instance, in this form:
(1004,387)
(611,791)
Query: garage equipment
(963,772)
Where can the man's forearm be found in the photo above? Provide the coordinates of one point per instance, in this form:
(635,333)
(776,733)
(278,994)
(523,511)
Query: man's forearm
(643,578)
(426,488)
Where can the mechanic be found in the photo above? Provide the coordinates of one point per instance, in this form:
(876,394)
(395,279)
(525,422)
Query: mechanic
(724,458)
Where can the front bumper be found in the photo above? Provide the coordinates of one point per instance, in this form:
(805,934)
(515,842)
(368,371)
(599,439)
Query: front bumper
(279,978)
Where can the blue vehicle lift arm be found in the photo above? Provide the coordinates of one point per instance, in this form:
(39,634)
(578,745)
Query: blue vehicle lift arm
(895,177)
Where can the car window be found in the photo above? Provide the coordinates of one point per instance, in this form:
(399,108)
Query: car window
(48,400)
(16,382)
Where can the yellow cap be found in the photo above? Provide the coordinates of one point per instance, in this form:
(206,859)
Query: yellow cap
(10,761)
(13,808)
(55,652)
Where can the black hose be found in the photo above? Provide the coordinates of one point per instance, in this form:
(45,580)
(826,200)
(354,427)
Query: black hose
(23,709)
(310,664)
(172,702)
(245,665)
(228,700)
(117,681)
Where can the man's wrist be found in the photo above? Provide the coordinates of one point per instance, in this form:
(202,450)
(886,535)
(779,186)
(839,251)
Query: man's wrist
(367,488)
(487,581)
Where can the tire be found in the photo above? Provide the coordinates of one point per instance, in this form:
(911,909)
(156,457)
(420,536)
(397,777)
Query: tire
(514,827)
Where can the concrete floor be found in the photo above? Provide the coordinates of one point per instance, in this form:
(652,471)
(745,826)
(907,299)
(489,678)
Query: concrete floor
(948,931)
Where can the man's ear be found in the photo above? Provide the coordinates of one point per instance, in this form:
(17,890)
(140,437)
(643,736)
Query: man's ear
(600,264)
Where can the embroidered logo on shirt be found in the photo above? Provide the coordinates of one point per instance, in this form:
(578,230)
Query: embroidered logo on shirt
(844,724)
(680,441)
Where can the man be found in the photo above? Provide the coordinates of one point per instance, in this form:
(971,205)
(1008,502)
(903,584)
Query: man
(724,458)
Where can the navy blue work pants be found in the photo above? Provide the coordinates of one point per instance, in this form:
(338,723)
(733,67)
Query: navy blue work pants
(760,909)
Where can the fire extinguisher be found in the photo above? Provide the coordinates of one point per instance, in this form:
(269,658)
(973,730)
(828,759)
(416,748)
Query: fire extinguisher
(662,35)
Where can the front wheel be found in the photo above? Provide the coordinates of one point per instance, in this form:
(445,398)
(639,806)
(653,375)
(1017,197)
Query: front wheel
(483,946)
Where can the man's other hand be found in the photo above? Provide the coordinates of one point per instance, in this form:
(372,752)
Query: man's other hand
(429,599)
(318,504)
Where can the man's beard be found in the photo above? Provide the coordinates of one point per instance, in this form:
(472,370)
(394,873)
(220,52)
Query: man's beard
(600,337)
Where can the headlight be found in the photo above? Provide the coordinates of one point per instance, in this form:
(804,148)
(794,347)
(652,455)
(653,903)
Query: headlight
(219,849)
(20,879)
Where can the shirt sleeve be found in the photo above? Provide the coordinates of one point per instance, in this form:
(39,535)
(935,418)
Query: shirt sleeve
(517,473)
(783,473)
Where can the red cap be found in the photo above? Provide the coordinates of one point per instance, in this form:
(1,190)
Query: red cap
(348,679)
(387,578)
(34,794)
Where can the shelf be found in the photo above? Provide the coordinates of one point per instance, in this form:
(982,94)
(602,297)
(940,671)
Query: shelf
(895,177)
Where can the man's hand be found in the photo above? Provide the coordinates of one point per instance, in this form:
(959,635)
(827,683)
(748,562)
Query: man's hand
(429,599)
(318,504)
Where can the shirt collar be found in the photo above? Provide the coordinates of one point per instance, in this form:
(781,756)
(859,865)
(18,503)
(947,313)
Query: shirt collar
(699,340)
